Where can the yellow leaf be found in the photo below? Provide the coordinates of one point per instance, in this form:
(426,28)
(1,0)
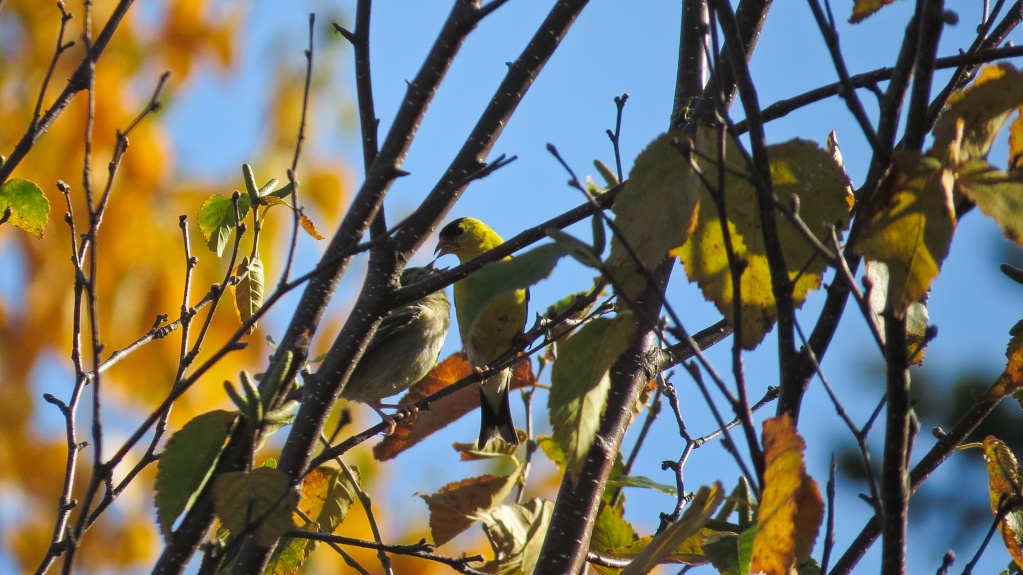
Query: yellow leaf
(983,108)
(309,227)
(998,194)
(326,496)
(516,532)
(1003,484)
(799,168)
(864,8)
(909,225)
(1012,378)
(1016,142)
(791,507)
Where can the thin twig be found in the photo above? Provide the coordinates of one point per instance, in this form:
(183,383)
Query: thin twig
(293,171)
(422,550)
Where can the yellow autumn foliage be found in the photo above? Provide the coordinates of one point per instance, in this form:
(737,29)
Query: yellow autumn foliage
(140,271)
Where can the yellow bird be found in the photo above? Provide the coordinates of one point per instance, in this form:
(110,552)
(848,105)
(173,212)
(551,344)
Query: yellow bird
(493,332)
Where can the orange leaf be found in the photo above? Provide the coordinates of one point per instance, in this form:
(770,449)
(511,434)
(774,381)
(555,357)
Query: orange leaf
(453,508)
(791,507)
(446,410)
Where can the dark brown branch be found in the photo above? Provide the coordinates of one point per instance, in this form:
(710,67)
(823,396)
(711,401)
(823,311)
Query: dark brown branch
(750,16)
(564,549)
(969,60)
(781,286)
(931,25)
(692,61)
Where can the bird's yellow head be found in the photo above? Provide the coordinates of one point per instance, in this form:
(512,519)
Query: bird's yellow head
(466,238)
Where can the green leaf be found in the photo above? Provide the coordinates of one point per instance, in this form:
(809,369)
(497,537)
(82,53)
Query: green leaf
(580,382)
(654,212)
(998,194)
(257,501)
(253,403)
(549,446)
(327,495)
(640,481)
(504,277)
(187,462)
(731,554)
(274,383)
(696,515)
(909,225)
(739,501)
(611,531)
(983,107)
(217,220)
(29,207)
(799,169)
(578,249)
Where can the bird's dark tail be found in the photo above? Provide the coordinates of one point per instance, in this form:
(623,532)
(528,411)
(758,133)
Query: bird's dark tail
(496,421)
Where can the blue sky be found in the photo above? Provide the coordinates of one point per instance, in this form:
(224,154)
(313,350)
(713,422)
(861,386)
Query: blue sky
(616,48)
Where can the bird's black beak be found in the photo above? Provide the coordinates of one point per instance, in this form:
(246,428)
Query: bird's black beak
(443,247)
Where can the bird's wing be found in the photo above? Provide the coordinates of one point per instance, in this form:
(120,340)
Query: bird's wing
(395,322)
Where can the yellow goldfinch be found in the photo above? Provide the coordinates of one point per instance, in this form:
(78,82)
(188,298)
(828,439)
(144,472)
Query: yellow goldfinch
(493,332)
(404,348)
